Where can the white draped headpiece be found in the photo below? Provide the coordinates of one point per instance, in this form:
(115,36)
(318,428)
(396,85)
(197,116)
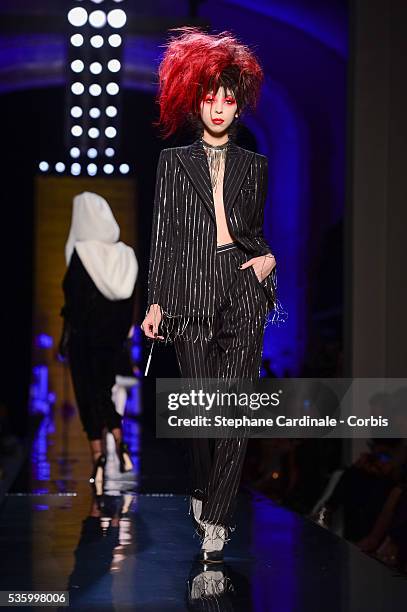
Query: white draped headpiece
(94,234)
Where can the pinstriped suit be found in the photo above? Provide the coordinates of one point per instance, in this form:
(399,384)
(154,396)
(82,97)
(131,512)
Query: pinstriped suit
(182,256)
(205,297)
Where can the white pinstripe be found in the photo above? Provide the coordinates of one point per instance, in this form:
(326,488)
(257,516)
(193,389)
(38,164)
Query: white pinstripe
(234,352)
(214,313)
(183,247)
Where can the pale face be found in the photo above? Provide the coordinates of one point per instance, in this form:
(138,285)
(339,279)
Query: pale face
(218,111)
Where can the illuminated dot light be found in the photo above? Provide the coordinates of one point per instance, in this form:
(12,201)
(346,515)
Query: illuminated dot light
(76,130)
(93,132)
(110,131)
(74,152)
(111,111)
(124,168)
(43,166)
(76,169)
(77,16)
(113,65)
(92,153)
(97,41)
(76,111)
(108,168)
(95,67)
(116,18)
(109,152)
(77,40)
(97,19)
(92,169)
(115,40)
(112,89)
(77,88)
(77,65)
(95,89)
(59,167)
(94,112)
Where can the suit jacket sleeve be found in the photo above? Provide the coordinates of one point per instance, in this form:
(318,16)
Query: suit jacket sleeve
(261,194)
(161,249)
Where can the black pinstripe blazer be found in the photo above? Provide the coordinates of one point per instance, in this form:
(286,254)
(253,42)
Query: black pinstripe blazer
(183,243)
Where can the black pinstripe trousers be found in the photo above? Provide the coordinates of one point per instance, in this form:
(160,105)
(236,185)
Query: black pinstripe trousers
(234,351)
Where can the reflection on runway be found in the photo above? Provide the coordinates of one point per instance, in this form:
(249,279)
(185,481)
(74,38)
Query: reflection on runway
(105,533)
(216,588)
(126,551)
(133,548)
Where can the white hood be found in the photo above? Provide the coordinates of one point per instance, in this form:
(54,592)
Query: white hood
(94,234)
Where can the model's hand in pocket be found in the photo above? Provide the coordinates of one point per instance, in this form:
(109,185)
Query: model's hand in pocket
(262,265)
(151,323)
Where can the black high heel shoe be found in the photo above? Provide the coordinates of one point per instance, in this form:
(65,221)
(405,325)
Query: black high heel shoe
(126,464)
(97,478)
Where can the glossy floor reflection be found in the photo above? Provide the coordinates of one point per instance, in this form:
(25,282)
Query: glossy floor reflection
(131,551)
(135,552)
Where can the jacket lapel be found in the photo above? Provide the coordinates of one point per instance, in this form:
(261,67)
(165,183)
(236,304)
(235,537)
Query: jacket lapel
(237,164)
(194,160)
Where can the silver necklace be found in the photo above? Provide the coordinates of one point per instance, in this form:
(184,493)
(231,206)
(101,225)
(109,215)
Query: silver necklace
(216,155)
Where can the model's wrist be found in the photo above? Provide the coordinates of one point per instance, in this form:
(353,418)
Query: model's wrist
(154,308)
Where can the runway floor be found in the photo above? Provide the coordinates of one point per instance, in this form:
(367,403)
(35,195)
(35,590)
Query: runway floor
(135,551)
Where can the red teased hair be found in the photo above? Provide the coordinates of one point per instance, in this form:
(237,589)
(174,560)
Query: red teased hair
(194,63)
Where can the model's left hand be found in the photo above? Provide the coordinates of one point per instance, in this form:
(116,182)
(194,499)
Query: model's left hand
(262,265)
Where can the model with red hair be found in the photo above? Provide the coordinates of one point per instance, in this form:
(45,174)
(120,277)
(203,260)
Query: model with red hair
(196,63)
(212,275)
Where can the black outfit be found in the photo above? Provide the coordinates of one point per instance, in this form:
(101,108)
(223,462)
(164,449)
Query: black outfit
(182,270)
(214,312)
(234,351)
(98,328)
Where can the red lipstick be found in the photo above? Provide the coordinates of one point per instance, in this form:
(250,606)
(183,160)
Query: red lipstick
(218,121)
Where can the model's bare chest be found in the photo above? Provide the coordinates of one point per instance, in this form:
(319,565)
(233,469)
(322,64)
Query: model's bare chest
(223,235)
